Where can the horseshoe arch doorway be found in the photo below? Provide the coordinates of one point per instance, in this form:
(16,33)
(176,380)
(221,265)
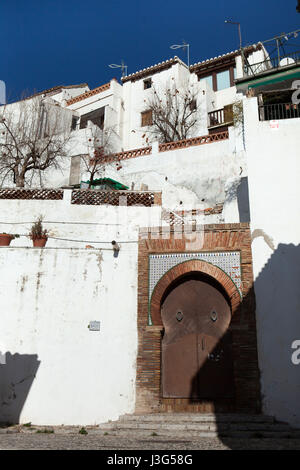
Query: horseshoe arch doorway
(197,361)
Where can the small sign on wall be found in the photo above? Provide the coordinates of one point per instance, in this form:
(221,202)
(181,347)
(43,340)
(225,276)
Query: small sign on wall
(94,326)
(274,124)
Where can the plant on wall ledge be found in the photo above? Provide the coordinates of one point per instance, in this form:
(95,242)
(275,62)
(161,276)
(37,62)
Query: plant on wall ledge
(238,113)
(6,238)
(38,234)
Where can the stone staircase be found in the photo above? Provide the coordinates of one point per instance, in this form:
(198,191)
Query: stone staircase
(191,426)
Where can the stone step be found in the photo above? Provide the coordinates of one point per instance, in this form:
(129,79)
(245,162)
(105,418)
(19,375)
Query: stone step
(176,427)
(160,426)
(197,418)
(189,435)
(189,426)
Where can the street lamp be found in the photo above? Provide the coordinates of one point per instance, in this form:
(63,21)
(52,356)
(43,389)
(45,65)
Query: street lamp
(239,25)
(240,36)
(122,66)
(183,46)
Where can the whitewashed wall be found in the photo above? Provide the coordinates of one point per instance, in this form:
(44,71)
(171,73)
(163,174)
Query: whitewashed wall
(194,173)
(136,98)
(48,297)
(273,159)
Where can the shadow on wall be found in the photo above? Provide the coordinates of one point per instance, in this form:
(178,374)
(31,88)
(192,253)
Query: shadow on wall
(208,355)
(16,377)
(278,322)
(277,296)
(243,200)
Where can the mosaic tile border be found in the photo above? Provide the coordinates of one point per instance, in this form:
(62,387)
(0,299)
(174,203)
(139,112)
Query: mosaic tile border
(228,261)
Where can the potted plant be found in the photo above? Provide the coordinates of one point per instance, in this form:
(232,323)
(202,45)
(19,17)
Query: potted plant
(6,238)
(38,234)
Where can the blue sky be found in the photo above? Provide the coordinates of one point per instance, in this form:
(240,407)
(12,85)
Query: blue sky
(45,43)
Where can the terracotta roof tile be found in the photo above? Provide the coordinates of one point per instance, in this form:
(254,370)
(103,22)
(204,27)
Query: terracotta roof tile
(153,69)
(56,89)
(89,93)
(235,53)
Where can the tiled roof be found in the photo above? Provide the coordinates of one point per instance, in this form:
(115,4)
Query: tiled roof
(56,89)
(153,69)
(89,93)
(228,55)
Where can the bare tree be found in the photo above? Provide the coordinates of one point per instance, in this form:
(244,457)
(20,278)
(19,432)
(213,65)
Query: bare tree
(101,144)
(34,134)
(172,113)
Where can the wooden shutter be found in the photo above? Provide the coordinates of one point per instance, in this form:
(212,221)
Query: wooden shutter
(228,113)
(147,118)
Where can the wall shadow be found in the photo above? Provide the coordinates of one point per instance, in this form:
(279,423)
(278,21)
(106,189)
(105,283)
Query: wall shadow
(16,377)
(243,200)
(277,290)
(276,298)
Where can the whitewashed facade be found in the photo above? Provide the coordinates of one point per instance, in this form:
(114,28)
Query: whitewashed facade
(48,297)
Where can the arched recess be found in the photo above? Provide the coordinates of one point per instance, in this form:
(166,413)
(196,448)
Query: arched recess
(189,267)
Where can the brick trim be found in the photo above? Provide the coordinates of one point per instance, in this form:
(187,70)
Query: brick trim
(205,139)
(217,237)
(88,94)
(144,151)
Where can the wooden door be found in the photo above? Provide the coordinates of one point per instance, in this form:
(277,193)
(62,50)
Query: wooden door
(196,347)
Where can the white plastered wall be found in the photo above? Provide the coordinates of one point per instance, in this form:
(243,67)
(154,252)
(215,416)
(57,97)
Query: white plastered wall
(57,370)
(273,159)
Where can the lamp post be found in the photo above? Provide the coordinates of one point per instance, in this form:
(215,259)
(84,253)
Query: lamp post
(183,46)
(239,26)
(240,37)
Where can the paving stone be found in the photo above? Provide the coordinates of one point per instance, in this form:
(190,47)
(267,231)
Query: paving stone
(170,431)
(70,441)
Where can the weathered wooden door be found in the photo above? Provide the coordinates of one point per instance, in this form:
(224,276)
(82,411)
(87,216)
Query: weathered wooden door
(196,347)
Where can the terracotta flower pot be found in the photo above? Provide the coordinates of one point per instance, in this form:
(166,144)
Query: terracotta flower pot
(39,242)
(5,239)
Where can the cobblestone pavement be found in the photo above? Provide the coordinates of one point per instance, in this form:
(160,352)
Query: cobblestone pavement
(69,439)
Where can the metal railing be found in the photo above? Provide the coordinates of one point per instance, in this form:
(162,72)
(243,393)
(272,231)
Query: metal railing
(270,112)
(272,63)
(216,118)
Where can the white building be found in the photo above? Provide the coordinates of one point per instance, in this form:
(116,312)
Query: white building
(243,249)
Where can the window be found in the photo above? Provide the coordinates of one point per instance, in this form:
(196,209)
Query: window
(97,118)
(223,80)
(147,83)
(220,80)
(209,80)
(146,118)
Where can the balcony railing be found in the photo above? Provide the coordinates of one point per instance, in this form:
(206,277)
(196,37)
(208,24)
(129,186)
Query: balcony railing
(216,118)
(270,112)
(272,63)
(220,117)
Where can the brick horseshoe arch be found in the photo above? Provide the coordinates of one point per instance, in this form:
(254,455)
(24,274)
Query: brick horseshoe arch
(189,267)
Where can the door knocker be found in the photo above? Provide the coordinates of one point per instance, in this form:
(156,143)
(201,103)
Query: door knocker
(214,316)
(179,316)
